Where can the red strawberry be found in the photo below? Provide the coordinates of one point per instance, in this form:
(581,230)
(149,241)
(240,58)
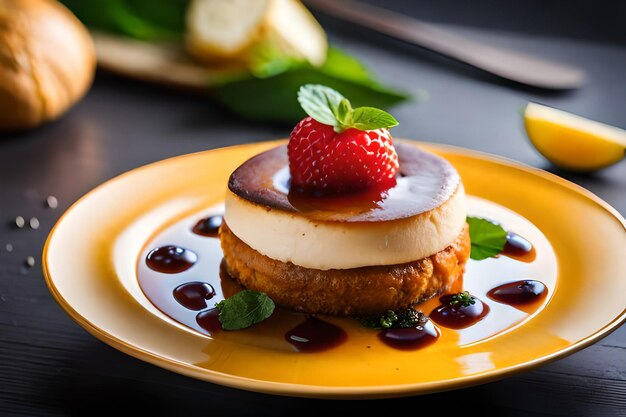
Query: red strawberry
(328,162)
(338,149)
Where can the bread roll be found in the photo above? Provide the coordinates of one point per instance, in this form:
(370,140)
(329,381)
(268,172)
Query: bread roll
(47,62)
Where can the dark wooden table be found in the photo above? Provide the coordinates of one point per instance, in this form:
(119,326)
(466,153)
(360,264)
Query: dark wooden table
(51,366)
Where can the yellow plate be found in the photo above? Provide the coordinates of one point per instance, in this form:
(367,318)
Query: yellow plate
(90,264)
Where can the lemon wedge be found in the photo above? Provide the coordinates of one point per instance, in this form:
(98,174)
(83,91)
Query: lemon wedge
(573,142)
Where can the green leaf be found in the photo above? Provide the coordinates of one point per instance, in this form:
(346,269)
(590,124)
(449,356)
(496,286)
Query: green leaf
(274,98)
(328,106)
(141,19)
(320,102)
(488,239)
(342,65)
(370,118)
(344,113)
(244,309)
(267,60)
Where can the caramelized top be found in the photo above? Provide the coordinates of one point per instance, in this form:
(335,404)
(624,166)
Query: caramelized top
(425,181)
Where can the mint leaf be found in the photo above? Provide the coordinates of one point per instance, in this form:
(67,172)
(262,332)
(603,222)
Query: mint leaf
(488,239)
(329,107)
(244,309)
(344,113)
(370,118)
(320,102)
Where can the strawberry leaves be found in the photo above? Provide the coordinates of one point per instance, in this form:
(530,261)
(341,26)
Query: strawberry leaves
(329,107)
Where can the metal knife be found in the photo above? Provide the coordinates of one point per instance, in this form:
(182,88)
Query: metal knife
(516,66)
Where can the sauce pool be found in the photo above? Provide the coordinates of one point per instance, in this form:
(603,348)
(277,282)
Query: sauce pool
(171,259)
(410,338)
(194,295)
(189,297)
(209,320)
(208,226)
(458,316)
(518,248)
(519,293)
(315,335)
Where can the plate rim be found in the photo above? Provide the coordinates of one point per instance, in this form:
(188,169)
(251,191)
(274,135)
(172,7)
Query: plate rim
(334,392)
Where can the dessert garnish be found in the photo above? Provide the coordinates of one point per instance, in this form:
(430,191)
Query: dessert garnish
(488,238)
(390,319)
(244,309)
(458,311)
(462,299)
(338,149)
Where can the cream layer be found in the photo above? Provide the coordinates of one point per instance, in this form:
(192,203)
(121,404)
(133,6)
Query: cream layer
(293,237)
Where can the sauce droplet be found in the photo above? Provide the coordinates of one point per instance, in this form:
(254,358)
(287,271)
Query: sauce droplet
(315,335)
(410,338)
(518,248)
(457,316)
(171,259)
(519,292)
(209,320)
(209,226)
(194,295)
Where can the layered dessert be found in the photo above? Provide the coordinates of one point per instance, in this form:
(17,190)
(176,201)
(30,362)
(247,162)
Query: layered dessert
(341,221)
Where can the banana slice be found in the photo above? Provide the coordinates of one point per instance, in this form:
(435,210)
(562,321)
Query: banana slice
(230,30)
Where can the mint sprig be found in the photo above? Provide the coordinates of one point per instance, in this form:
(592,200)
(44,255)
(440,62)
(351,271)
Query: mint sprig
(329,107)
(321,103)
(488,239)
(370,118)
(244,309)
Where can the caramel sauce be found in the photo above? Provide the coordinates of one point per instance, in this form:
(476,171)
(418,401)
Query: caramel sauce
(171,259)
(424,182)
(456,316)
(410,338)
(525,295)
(208,226)
(189,297)
(315,335)
(194,295)
(518,248)
(358,202)
(209,320)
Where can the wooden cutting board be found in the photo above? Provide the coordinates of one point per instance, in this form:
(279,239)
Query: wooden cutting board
(158,62)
